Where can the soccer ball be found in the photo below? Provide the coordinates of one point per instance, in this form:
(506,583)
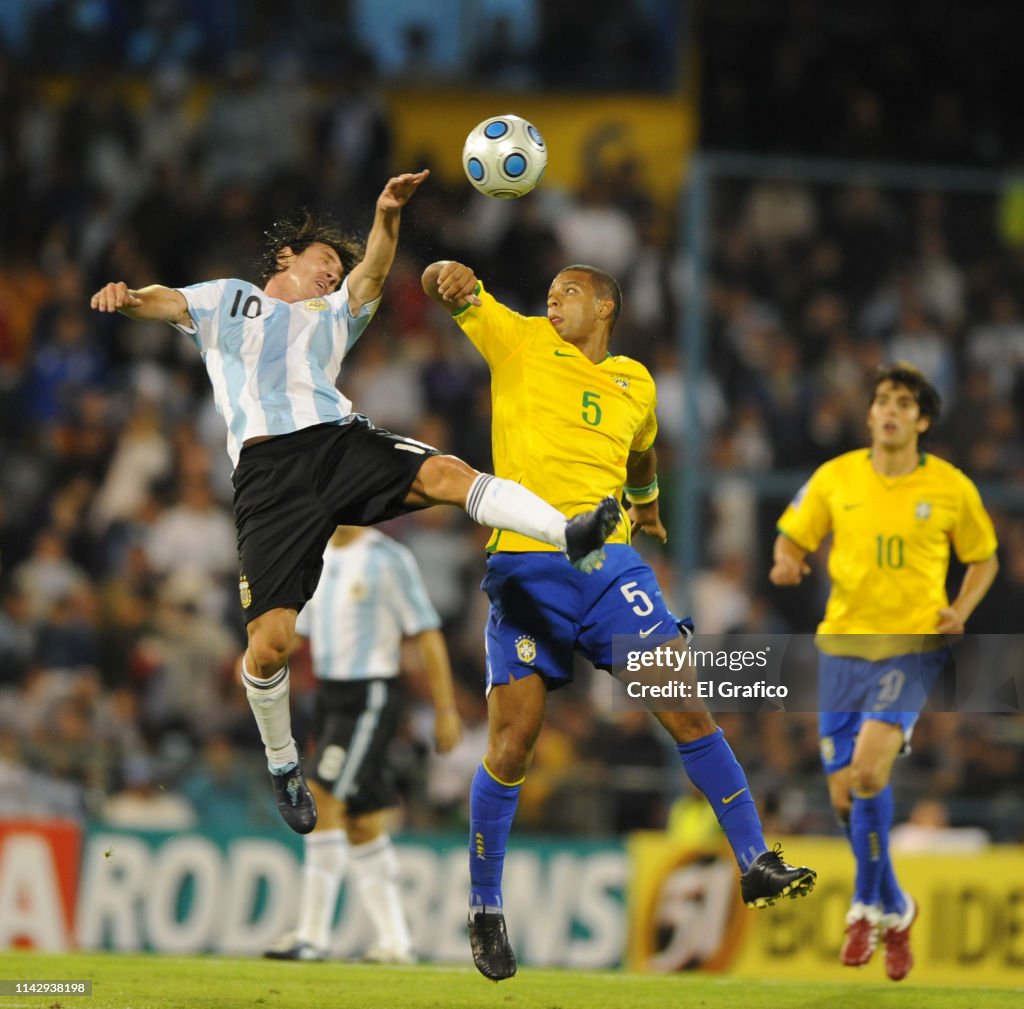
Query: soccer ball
(504,157)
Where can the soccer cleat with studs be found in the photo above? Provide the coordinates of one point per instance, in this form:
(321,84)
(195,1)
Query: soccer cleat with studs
(295,801)
(769,878)
(861,935)
(488,940)
(896,938)
(585,535)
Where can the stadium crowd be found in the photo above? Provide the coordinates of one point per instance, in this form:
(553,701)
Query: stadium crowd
(120,625)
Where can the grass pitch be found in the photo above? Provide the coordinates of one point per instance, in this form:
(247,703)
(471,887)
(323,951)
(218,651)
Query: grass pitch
(139,981)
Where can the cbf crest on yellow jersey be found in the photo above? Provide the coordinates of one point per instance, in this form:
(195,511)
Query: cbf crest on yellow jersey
(563,426)
(891,539)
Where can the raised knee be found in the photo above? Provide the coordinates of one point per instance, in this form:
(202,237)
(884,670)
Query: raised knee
(269,651)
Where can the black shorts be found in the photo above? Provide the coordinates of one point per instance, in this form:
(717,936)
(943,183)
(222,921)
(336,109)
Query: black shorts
(353,725)
(293,490)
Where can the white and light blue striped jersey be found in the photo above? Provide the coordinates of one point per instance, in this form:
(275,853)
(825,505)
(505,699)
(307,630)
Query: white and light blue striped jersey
(273,364)
(371,595)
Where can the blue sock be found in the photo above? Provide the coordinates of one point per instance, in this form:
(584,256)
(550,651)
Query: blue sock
(893,901)
(870,821)
(844,826)
(492,807)
(714,769)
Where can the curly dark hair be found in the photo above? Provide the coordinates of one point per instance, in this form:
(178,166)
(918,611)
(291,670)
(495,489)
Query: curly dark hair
(298,234)
(903,373)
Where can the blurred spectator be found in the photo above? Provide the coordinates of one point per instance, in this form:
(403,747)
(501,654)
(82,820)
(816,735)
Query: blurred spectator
(17,636)
(927,829)
(997,345)
(196,535)
(595,231)
(48,574)
(145,803)
(167,37)
(224,789)
(64,363)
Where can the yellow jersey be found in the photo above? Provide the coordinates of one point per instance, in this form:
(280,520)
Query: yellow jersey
(562,426)
(891,540)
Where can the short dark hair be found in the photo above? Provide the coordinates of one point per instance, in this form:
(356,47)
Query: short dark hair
(298,234)
(929,402)
(605,286)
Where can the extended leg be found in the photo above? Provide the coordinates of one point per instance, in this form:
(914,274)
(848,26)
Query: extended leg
(503,504)
(712,766)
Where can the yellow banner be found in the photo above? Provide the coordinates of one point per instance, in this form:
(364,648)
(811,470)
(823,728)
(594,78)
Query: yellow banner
(582,133)
(685,912)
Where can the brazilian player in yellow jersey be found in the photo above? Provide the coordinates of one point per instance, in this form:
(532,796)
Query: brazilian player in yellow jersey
(893,512)
(579,422)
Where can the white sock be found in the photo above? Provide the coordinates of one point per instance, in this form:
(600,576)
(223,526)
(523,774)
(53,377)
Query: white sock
(323,868)
(503,504)
(375,875)
(269,702)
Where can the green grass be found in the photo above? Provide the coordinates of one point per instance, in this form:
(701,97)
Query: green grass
(157,982)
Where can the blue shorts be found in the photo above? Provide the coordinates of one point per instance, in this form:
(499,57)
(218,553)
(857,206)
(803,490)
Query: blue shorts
(543,611)
(852,691)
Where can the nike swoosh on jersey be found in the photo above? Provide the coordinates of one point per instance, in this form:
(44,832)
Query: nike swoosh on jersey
(650,630)
(735,795)
(562,353)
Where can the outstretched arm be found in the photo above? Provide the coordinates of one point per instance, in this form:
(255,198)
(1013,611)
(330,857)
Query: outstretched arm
(366,280)
(642,485)
(149,304)
(450,284)
(789,566)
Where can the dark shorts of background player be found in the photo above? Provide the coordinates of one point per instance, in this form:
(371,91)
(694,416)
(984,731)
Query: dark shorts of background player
(353,725)
(293,490)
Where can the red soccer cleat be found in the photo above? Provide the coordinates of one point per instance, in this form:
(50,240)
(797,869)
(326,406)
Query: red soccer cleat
(896,936)
(861,935)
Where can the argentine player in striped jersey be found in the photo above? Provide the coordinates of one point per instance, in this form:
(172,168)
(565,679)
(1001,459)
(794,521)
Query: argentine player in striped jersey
(370,599)
(574,420)
(304,462)
(893,513)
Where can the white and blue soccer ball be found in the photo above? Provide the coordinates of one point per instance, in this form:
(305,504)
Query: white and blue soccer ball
(504,157)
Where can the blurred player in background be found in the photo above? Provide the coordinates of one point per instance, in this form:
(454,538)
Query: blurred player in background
(371,596)
(574,420)
(893,512)
(304,462)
